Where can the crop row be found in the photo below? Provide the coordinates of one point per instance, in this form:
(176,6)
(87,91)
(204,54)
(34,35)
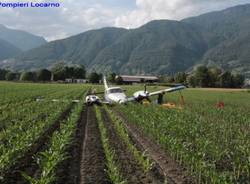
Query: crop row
(142,158)
(23,110)
(127,163)
(19,92)
(50,159)
(211,143)
(17,142)
(113,167)
(20,136)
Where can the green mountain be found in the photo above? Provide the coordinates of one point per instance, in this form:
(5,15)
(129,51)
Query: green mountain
(227,34)
(7,50)
(160,47)
(21,39)
(79,49)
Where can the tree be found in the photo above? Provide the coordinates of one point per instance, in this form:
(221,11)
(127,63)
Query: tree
(202,76)
(69,72)
(225,80)
(3,73)
(59,71)
(94,77)
(43,75)
(170,79)
(213,77)
(111,77)
(214,74)
(191,80)
(238,80)
(180,77)
(11,76)
(75,72)
(79,72)
(28,76)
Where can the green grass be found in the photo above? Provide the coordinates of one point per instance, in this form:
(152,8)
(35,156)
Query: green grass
(142,158)
(23,120)
(50,159)
(113,167)
(212,143)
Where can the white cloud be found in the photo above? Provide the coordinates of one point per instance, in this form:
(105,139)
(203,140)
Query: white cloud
(148,10)
(54,23)
(76,16)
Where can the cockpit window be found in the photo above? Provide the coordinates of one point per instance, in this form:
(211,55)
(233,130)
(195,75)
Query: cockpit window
(117,90)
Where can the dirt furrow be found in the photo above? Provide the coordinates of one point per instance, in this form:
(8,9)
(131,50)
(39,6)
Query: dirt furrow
(171,169)
(27,164)
(130,168)
(92,169)
(69,171)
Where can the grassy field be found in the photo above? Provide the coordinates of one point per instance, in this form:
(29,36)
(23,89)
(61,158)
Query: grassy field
(37,138)
(213,143)
(25,123)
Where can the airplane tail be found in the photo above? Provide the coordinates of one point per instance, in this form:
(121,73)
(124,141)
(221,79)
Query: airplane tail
(105,82)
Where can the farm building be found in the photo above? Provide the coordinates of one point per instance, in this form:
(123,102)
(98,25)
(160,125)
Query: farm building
(129,79)
(76,80)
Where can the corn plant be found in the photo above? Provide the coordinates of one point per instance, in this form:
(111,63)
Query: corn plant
(211,143)
(113,168)
(142,158)
(25,124)
(49,160)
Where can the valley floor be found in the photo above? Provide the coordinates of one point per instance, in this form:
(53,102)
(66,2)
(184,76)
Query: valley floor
(64,142)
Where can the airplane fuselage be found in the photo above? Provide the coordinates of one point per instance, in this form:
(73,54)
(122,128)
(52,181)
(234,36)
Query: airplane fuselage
(115,95)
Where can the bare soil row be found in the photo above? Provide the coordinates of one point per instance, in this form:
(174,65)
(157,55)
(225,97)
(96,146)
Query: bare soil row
(163,161)
(27,164)
(93,164)
(86,162)
(131,170)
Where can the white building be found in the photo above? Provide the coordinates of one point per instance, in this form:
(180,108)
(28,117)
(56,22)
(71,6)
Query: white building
(82,81)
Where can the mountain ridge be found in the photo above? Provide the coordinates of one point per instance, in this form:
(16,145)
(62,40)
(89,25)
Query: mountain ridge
(158,47)
(21,39)
(8,50)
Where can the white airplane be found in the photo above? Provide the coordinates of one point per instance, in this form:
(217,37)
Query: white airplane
(116,95)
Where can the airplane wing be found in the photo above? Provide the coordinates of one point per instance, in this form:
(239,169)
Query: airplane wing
(57,100)
(169,90)
(130,99)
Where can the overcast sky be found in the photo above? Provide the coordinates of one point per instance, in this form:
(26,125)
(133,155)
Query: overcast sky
(76,16)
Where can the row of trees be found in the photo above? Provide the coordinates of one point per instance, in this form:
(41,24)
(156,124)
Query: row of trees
(40,75)
(204,76)
(59,72)
(215,77)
